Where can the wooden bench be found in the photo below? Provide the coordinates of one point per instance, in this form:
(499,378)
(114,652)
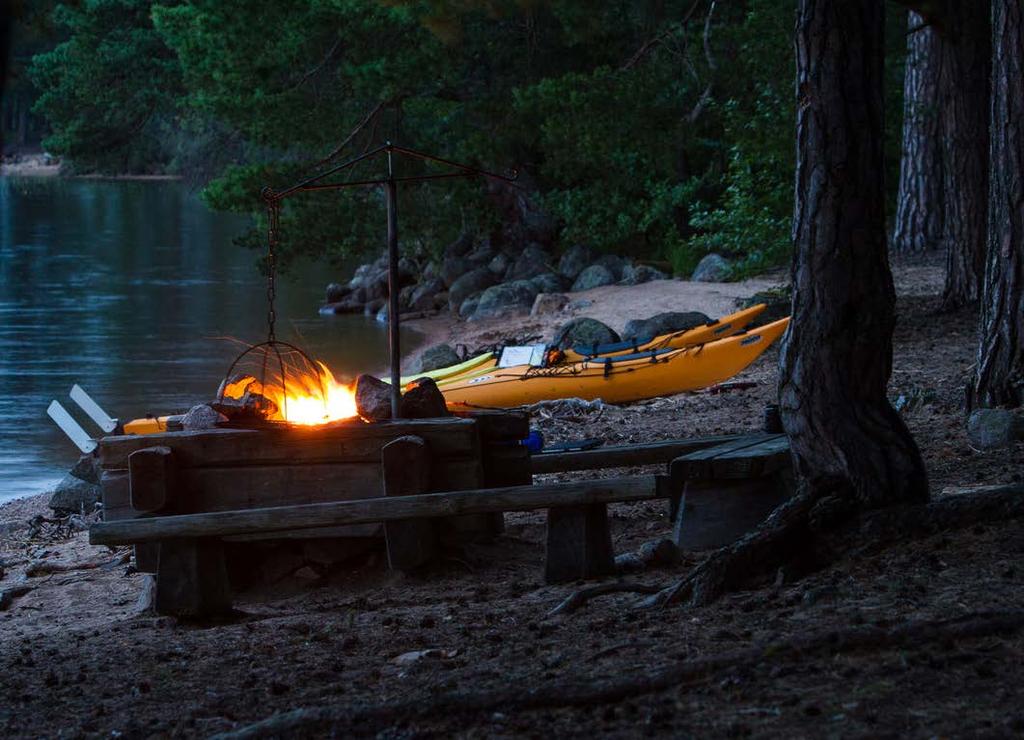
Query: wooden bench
(726,490)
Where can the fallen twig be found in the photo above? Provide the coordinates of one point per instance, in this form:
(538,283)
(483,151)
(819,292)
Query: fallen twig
(46,567)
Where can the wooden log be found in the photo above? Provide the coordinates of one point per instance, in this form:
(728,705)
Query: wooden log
(350,442)
(147,556)
(152,478)
(652,453)
(406,472)
(192,579)
(449,503)
(579,544)
(115,493)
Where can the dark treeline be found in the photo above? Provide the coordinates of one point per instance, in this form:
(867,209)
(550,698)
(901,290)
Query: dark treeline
(660,129)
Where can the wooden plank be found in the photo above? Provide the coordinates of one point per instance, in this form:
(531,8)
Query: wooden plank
(152,478)
(753,462)
(449,503)
(353,441)
(506,466)
(405,463)
(716,513)
(115,492)
(702,463)
(651,453)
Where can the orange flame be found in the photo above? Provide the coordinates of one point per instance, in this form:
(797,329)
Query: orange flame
(307,398)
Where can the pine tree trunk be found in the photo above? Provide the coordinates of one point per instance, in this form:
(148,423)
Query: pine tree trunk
(846,438)
(966,51)
(918,225)
(999,380)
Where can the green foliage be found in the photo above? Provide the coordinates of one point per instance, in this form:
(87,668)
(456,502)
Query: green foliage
(657,128)
(109,90)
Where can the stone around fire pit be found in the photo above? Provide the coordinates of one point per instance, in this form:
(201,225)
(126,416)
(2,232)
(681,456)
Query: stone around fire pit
(423,400)
(373,398)
(202,416)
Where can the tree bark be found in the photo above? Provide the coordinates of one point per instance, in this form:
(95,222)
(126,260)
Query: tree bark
(965,64)
(847,440)
(999,379)
(919,225)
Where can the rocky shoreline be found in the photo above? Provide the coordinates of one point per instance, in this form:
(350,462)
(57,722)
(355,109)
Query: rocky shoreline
(476,281)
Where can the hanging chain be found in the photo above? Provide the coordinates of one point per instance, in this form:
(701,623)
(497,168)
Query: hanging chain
(273,219)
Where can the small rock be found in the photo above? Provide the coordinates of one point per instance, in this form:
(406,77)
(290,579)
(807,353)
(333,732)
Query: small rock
(507,299)
(353,303)
(573,261)
(547,303)
(500,264)
(616,265)
(146,602)
(436,357)
(306,573)
(471,283)
(663,323)
(778,302)
(373,398)
(87,468)
(583,332)
(991,429)
(423,400)
(714,268)
(202,416)
(637,274)
(593,277)
(74,495)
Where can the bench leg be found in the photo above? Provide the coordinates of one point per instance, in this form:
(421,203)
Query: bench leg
(192,579)
(406,470)
(579,543)
(714,513)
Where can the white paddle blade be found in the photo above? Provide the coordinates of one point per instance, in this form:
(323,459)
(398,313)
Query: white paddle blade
(71,427)
(90,407)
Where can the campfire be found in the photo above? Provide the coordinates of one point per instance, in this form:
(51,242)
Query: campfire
(304,393)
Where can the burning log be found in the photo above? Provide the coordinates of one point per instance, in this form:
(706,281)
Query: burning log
(241,398)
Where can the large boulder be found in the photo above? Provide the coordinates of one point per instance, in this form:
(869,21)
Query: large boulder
(548,303)
(663,323)
(359,276)
(779,302)
(548,282)
(507,299)
(87,468)
(636,274)
(336,292)
(460,246)
(583,332)
(531,262)
(74,496)
(593,277)
(500,264)
(468,306)
(616,265)
(424,295)
(573,261)
(714,268)
(469,284)
(452,268)
(436,357)
(991,429)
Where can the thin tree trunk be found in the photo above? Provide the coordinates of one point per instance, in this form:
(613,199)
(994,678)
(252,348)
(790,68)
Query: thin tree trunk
(846,438)
(999,380)
(918,225)
(965,54)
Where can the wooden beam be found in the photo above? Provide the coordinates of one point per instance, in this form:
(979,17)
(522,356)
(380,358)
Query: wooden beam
(343,442)
(450,503)
(651,453)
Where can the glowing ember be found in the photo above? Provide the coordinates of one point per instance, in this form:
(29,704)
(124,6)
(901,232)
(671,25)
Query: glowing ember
(307,398)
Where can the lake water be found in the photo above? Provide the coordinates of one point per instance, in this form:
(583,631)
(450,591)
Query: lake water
(132,290)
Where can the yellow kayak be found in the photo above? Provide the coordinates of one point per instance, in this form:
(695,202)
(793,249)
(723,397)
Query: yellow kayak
(723,327)
(660,372)
(487,359)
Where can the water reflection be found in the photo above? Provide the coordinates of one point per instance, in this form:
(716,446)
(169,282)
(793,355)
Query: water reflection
(135,291)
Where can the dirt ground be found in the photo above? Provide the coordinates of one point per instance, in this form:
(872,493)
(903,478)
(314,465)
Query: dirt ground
(381,649)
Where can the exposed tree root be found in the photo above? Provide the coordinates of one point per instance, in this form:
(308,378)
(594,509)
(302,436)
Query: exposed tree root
(810,533)
(606,691)
(579,598)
